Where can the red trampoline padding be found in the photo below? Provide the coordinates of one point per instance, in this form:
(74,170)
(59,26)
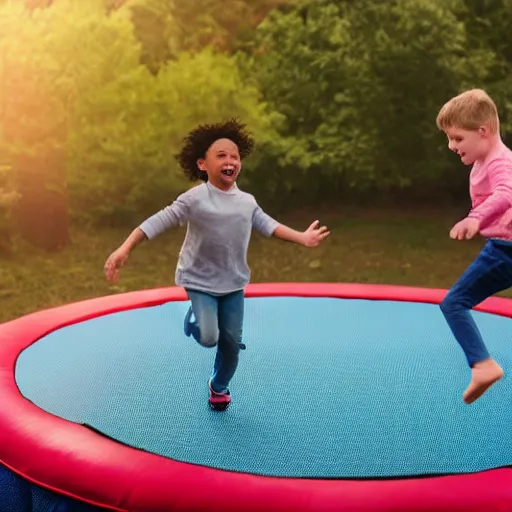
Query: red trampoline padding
(73,460)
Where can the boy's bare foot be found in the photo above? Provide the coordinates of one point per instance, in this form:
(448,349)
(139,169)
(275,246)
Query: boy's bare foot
(483,375)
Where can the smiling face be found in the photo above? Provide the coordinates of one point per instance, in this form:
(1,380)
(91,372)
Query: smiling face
(222,163)
(470,145)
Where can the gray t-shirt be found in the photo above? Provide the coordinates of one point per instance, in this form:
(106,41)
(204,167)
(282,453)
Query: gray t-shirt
(213,257)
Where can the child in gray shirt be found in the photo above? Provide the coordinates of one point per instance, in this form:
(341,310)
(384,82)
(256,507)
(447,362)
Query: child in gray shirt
(212,264)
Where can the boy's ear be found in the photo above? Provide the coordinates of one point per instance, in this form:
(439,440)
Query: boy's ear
(484,131)
(200,164)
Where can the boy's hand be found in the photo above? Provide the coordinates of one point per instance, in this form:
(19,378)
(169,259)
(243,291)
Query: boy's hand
(314,235)
(466,228)
(114,262)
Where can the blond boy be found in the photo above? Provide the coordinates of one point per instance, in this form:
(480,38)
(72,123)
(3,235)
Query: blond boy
(471,122)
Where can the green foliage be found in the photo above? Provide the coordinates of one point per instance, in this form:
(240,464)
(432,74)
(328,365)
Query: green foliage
(360,86)
(125,147)
(166,28)
(57,64)
(488,24)
(157,30)
(340,95)
(33,112)
(75,84)
(52,61)
(226,25)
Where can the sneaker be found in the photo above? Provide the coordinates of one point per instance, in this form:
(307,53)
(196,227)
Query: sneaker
(187,323)
(218,401)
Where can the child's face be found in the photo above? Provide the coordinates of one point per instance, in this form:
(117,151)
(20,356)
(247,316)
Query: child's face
(222,163)
(470,145)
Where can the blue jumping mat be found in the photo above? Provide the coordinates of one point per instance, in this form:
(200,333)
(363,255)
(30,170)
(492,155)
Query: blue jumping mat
(327,388)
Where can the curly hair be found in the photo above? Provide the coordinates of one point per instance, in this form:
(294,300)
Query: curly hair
(197,142)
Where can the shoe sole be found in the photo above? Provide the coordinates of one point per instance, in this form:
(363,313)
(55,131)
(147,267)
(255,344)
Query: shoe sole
(221,404)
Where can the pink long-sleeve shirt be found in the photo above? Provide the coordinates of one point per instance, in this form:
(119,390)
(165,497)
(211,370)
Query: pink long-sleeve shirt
(490,188)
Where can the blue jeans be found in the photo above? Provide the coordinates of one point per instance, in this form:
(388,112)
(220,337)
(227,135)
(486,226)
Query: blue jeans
(490,273)
(218,322)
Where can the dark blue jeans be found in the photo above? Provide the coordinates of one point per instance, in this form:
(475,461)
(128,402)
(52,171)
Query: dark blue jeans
(490,273)
(219,322)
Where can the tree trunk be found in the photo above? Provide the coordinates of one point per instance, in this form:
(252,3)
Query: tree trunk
(41,215)
(36,138)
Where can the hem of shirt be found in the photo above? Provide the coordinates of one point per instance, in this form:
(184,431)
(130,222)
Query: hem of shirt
(203,289)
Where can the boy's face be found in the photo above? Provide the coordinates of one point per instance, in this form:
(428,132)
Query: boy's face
(470,145)
(222,163)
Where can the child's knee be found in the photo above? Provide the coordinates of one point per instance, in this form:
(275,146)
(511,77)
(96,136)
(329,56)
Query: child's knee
(208,341)
(446,305)
(209,337)
(232,340)
(450,304)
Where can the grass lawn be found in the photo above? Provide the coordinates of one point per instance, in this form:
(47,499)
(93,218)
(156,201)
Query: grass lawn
(382,246)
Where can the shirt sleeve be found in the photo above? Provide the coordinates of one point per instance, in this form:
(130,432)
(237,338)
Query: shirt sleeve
(171,216)
(263,223)
(500,177)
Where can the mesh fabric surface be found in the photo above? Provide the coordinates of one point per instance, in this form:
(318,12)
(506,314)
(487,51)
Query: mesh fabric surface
(327,388)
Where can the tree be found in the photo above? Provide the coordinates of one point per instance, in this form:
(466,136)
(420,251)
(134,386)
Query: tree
(34,125)
(8,199)
(360,84)
(488,27)
(167,27)
(124,163)
(53,63)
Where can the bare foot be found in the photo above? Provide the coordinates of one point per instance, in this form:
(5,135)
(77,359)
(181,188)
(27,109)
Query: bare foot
(483,375)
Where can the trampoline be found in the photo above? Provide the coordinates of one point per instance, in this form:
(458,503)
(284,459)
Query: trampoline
(347,398)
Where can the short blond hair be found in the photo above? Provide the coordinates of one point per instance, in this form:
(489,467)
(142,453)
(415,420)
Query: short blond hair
(469,111)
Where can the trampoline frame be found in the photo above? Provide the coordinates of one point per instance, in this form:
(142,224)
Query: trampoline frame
(74,461)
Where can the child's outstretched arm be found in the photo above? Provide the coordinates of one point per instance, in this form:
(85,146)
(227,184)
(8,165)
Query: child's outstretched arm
(171,216)
(312,237)
(118,258)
